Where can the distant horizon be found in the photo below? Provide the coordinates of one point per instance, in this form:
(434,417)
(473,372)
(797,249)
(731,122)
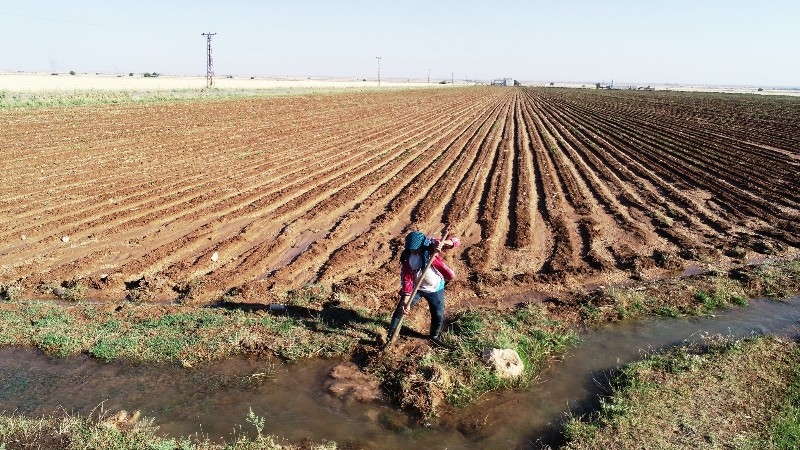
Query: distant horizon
(401,79)
(685,42)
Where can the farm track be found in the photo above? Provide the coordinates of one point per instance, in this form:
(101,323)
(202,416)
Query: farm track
(548,189)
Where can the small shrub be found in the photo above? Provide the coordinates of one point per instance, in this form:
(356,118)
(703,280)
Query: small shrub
(136,295)
(739,300)
(256,421)
(662,219)
(187,290)
(590,313)
(309,294)
(709,302)
(736,252)
(72,291)
(10,292)
(666,311)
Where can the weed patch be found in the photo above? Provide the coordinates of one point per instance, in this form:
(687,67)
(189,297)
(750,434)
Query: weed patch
(127,431)
(10,292)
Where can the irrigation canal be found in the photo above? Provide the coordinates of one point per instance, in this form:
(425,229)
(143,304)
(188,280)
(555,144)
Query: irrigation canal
(214,401)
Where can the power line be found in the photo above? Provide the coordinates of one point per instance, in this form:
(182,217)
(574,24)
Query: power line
(209,61)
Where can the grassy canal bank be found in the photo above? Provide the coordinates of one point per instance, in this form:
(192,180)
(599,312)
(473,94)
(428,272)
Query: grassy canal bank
(317,322)
(124,431)
(723,394)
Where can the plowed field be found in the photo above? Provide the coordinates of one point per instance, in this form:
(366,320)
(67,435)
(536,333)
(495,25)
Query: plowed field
(550,189)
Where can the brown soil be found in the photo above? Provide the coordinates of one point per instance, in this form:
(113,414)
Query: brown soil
(551,190)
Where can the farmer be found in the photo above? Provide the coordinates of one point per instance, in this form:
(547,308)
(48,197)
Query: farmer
(419,251)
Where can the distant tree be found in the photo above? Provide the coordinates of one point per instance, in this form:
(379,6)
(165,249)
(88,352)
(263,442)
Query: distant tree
(130,74)
(72,72)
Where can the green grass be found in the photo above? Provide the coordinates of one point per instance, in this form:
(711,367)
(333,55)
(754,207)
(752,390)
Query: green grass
(776,279)
(123,431)
(691,296)
(527,330)
(181,334)
(724,393)
(785,430)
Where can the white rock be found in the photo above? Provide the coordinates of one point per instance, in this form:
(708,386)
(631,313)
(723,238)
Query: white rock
(505,361)
(215,256)
(24,237)
(65,239)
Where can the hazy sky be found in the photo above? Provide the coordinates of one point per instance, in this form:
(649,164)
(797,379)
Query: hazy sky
(680,41)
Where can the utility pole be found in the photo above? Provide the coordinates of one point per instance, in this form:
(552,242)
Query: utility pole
(451,78)
(429,75)
(379,70)
(209,61)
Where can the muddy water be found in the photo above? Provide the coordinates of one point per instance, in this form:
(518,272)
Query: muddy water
(214,401)
(529,419)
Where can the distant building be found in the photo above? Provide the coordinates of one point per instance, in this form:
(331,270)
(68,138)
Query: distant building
(504,82)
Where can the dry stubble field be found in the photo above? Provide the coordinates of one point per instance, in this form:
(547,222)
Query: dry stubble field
(551,190)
